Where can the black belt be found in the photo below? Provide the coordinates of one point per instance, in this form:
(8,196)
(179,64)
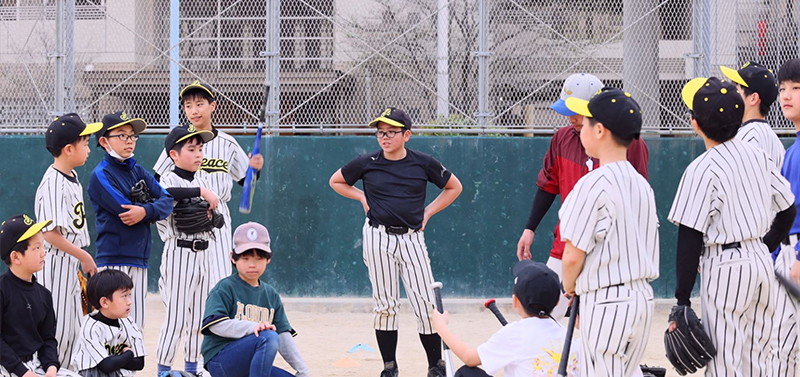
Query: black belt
(733,245)
(391,229)
(194,245)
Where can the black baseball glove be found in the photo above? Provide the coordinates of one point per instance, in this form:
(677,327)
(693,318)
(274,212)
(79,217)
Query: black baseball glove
(688,347)
(192,215)
(140,194)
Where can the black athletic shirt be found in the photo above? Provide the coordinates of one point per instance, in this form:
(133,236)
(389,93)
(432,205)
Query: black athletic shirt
(395,190)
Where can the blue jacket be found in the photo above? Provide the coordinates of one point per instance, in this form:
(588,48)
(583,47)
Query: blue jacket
(110,188)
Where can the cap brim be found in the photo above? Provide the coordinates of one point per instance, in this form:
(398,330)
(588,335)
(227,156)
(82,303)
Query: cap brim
(560,107)
(190,87)
(690,89)
(204,134)
(733,75)
(251,245)
(92,128)
(35,228)
(138,125)
(386,120)
(579,106)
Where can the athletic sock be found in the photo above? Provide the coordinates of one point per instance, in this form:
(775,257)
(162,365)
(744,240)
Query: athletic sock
(433,347)
(162,369)
(190,367)
(387,343)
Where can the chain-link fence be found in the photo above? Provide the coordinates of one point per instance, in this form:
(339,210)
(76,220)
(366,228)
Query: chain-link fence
(460,66)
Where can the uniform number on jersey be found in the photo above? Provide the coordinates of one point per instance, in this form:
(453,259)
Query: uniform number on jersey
(116,349)
(79,221)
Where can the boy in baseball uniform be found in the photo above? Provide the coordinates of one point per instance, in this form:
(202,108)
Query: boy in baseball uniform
(224,161)
(28,345)
(395,179)
(122,222)
(725,209)
(610,230)
(60,197)
(186,264)
(245,323)
(529,347)
(110,343)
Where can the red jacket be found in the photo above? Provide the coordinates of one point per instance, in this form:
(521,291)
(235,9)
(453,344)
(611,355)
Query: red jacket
(566,162)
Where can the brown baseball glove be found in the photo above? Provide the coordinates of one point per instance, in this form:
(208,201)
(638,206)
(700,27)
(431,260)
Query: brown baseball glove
(85,305)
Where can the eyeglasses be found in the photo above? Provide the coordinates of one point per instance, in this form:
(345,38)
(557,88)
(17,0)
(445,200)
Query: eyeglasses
(390,134)
(124,137)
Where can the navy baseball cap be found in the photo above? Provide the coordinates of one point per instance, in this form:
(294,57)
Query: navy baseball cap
(536,286)
(755,77)
(580,85)
(393,117)
(119,119)
(196,85)
(66,129)
(616,109)
(17,229)
(714,96)
(181,133)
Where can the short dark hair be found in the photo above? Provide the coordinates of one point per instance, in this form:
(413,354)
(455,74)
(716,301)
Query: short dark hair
(197,92)
(763,107)
(104,284)
(20,248)
(719,127)
(197,138)
(790,71)
(623,142)
(74,144)
(251,253)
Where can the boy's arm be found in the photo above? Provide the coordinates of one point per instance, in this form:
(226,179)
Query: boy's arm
(163,165)
(572,264)
(469,355)
(48,352)
(161,207)
(687,259)
(55,238)
(290,353)
(105,195)
(340,185)
(116,362)
(451,191)
(10,361)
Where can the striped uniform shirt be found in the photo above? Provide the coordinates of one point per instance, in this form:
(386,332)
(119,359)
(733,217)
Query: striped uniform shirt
(166,227)
(730,193)
(759,134)
(611,215)
(99,340)
(60,198)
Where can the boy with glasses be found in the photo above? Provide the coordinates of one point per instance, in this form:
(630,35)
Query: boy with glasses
(395,179)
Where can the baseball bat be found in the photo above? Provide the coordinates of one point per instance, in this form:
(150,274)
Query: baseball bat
(787,283)
(448,358)
(491,305)
(249,189)
(562,367)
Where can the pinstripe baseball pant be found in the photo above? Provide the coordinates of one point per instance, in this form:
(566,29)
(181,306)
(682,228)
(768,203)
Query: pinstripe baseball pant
(36,367)
(139,292)
(738,293)
(392,256)
(786,316)
(60,276)
(615,327)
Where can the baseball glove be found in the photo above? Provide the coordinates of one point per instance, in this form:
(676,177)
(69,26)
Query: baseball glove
(85,305)
(140,194)
(688,347)
(192,215)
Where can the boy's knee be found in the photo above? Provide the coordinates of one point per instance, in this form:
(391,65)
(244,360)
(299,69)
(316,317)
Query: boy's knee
(268,339)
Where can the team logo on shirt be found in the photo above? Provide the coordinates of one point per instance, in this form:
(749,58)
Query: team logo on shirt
(79,221)
(547,363)
(214,165)
(254,313)
(116,349)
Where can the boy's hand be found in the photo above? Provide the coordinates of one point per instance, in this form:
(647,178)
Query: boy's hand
(425,217)
(257,161)
(365,205)
(30,373)
(524,244)
(133,216)
(51,371)
(439,320)
(210,197)
(126,349)
(87,264)
(263,326)
(794,273)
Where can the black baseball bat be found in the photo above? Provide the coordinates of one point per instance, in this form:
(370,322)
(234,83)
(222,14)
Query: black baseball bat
(491,305)
(562,367)
(448,359)
(787,283)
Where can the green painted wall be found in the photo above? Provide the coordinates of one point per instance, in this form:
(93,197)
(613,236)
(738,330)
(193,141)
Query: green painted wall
(317,234)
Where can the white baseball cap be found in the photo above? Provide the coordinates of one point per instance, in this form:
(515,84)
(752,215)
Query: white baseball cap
(251,236)
(579,85)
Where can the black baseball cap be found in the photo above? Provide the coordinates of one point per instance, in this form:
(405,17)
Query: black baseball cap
(196,85)
(616,109)
(181,133)
(17,229)
(714,96)
(755,77)
(394,117)
(119,119)
(66,129)
(536,286)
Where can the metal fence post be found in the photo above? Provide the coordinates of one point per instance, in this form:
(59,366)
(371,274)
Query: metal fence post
(174,57)
(69,66)
(442,60)
(59,84)
(701,37)
(640,57)
(272,81)
(483,92)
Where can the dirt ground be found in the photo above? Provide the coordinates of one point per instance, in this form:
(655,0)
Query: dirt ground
(328,328)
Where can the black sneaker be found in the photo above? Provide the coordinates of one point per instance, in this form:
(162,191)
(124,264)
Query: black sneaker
(389,369)
(653,371)
(438,370)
